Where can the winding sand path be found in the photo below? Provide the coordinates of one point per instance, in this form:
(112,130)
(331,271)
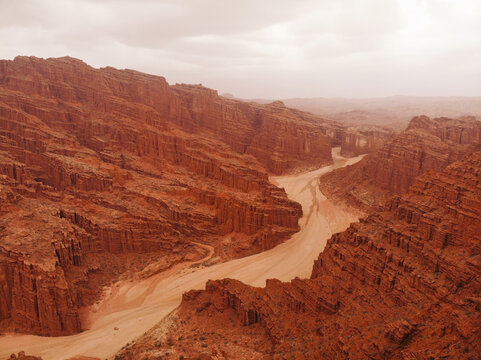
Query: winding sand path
(131,308)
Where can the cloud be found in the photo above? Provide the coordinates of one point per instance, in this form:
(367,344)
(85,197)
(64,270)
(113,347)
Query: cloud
(268,48)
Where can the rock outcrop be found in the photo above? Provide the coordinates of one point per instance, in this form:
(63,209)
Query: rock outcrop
(427,144)
(360,140)
(21,356)
(105,171)
(403,283)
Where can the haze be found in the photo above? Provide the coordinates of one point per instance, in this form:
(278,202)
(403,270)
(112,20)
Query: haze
(267,49)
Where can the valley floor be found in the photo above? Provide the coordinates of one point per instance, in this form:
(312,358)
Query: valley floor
(130,308)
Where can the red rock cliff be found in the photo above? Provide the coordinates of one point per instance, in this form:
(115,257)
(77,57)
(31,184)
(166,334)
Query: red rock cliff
(364,139)
(403,283)
(104,171)
(427,144)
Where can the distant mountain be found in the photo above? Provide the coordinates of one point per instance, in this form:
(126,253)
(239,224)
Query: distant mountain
(394,111)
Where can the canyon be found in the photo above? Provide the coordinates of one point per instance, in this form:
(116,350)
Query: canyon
(148,220)
(106,172)
(133,306)
(403,283)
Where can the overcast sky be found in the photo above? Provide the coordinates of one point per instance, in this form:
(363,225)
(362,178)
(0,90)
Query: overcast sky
(264,48)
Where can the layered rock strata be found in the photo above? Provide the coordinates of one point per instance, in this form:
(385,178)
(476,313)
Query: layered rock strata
(105,171)
(403,283)
(427,144)
(365,139)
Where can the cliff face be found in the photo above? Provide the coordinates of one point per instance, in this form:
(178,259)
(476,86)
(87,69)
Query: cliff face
(403,283)
(246,127)
(105,171)
(281,139)
(427,144)
(364,139)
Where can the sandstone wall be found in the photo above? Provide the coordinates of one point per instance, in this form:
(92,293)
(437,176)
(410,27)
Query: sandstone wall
(427,144)
(364,139)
